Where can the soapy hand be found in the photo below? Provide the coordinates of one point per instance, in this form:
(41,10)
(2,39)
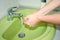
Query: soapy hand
(31,20)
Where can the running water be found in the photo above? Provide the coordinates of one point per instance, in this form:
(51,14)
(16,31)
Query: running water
(22,34)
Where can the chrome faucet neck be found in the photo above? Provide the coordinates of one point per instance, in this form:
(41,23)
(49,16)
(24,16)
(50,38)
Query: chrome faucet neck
(11,13)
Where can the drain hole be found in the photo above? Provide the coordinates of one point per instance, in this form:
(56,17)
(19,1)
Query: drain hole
(21,35)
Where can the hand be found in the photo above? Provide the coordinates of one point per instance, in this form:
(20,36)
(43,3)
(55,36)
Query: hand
(31,20)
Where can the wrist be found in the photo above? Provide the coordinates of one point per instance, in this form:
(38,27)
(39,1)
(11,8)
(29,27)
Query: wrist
(39,16)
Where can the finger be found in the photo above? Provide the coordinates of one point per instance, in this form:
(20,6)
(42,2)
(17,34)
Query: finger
(28,23)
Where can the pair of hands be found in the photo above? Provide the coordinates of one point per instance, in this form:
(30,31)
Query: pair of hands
(32,19)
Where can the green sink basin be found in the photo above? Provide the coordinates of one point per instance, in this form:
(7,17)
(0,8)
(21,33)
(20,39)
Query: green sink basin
(10,30)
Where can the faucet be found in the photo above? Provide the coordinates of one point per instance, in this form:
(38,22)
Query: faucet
(12,14)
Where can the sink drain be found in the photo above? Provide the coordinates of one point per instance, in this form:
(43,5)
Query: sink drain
(21,35)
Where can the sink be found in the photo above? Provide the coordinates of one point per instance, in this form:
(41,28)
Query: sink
(10,30)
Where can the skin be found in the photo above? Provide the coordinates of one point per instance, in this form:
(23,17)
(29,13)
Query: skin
(40,15)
